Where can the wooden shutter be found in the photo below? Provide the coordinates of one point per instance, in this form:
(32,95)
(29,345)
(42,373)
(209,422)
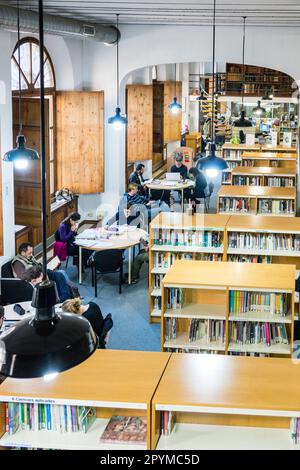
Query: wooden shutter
(80,141)
(140,122)
(172,122)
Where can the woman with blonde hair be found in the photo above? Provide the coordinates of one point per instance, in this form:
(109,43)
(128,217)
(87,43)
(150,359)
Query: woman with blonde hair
(93,314)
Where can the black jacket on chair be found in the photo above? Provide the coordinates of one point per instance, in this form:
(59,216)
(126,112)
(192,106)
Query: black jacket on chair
(14,291)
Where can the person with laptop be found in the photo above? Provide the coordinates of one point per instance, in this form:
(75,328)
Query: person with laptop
(179,167)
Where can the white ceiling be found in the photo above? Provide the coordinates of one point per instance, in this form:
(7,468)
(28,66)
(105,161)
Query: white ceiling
(193,12)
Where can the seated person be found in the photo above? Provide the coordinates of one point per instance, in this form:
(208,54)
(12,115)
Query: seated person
(137,178)
(67,232)
(33,276)
(139,260)
(179,167)
(25,260)
(141,203)
(93,314)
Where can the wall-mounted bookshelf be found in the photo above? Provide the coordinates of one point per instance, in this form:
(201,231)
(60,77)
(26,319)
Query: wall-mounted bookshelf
(252,200)
(179,236)
(264,176)
(108,383)
(270,159)
(216,402)
(228,308)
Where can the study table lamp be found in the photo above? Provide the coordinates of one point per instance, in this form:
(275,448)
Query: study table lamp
(46,342)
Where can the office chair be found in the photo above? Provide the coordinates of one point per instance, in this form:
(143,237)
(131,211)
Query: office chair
(107,262)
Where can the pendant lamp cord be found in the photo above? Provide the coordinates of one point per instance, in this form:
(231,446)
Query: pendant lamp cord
(19,62)
(244,70)
(213,77)
(118,90)
(175,82)
(43,139)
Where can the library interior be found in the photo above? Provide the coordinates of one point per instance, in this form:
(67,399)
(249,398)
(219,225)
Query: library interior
(149,225)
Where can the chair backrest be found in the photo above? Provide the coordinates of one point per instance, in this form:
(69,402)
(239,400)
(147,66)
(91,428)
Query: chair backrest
(108,261)
(13,291)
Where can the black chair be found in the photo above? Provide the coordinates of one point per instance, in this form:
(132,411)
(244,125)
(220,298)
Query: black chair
(14,291)
(107,262)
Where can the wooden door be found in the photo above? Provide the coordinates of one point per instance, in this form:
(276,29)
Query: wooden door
(172,122)
(140,122)
(27,182)
(80,141)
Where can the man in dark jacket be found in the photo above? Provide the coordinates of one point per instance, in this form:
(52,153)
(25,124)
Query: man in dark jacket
(137,178)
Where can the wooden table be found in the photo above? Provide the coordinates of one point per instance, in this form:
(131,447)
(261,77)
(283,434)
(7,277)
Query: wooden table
(166,185)
(126,240)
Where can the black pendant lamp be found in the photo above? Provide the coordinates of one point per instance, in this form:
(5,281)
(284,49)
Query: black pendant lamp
(212,164)
(269,95)
(46,342)
(118,120)
(259,111)
(175,107)
(202,97)
(21,155)
(242,121)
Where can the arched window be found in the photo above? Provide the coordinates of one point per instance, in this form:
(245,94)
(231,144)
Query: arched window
(30,66)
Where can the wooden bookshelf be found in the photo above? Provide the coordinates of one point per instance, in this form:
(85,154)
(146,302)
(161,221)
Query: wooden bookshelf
(115,382)
(232,154)
(186,244)
(264,176)
(193,140)
(275,160)
(250,200)
(279,149)
(221,403)
(224,298)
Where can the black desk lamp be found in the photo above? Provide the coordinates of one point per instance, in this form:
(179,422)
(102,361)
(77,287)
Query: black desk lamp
(46,343)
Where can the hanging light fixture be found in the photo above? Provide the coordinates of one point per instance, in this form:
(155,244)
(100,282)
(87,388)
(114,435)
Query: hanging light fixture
(118,120)
(259,111)
(21,155)
(242,121)
(47,342)
(212,164)
(202,96)
(175,107)
(269,95)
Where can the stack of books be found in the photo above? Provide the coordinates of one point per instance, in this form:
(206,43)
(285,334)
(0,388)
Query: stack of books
(244,301)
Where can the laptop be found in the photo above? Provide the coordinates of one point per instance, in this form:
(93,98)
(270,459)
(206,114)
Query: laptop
(173,177)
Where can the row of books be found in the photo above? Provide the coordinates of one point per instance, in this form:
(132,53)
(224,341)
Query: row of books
(244,301)
(230,204)
(243,333)
(164,260)
(232,153)
(264,241)
(167,422)
(190,350)
(175,298)
(157,280)
(247,180)
(187,238)
(157,303)
(226,176)
(295,430)
(251,163)
(209,330)
(249,259)
(280,182)
(276,206)
(232,165)
(247,354)
(37,417)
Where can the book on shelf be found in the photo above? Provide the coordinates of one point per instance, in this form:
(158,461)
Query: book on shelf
(231,204)
(247,180)
(209,330)
(249,259)
(157,303)
(276,206)
(192,238)
(280,182)
(175,298)
(267,302)
(264,241)
(167,423)
(156,282)
(190,350)
(38,417)
(268,334)
(295,430)
(247,354)
(125,430)
(164,260)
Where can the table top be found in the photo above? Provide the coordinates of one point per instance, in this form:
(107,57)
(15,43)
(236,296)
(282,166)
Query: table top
(257,191)
(106,376)
(129,237)
(238,275)
(263,170)
(164,184)
(178,220)
(10,315)
(259,223)
(230,382)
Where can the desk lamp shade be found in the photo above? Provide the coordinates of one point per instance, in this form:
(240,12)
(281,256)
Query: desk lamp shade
(46,342)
